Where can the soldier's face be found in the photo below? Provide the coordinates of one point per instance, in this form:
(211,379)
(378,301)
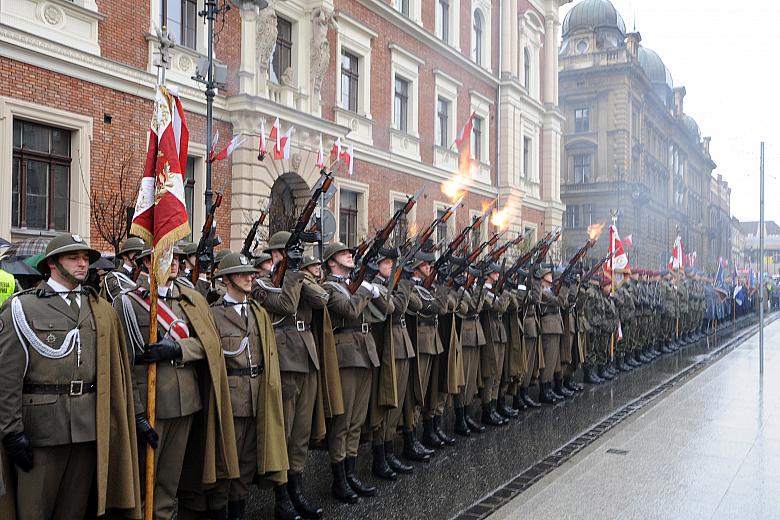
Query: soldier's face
(424,269)
(242,281)
(315,270)
(493,277)
(175,267)
(267,265)
(386,267)
(547,280)
(344,259)
(75,263)
(276,256)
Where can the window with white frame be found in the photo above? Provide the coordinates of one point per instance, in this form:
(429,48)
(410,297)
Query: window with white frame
(442,122)
(282,58)
(402,6)
(404,102)
(527,158)
(481,32)
(478,33)
(401,104)
(443,20)
(350,77)
(477,138)
(180,17)
(348,217)
(353,90)
(526,68)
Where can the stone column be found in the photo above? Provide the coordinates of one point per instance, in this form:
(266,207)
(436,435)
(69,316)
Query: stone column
(246,71)
(550,62)
(515,41)
(506,38)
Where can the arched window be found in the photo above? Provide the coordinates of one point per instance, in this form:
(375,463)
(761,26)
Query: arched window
(527,68)
(478,35)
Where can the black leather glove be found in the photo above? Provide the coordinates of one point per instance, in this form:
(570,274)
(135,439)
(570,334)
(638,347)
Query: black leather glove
(163,350)
(407,271)
(145,431)
(443,274)
(459,281)
(372,269)
(17,446)
(212,295)
(294,258)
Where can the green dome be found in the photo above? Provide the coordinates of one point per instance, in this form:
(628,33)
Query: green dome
(593,14)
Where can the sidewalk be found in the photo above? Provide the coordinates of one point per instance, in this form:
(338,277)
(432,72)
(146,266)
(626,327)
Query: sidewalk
(709,450)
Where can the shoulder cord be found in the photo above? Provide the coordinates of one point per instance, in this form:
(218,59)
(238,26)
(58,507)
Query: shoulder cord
(25,332)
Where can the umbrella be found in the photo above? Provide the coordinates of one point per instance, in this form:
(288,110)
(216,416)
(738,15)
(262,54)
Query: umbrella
(34,259)
(17,267)
(4,242)
(30,246)
(103,263)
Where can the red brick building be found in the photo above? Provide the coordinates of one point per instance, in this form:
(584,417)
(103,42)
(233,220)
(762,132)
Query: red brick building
(395,79)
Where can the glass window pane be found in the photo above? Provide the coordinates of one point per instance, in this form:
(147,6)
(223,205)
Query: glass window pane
(35,137)
(15,192)
(61,197)
(190,21)
(37,178)
(60,142)
(174,19)
(17,133)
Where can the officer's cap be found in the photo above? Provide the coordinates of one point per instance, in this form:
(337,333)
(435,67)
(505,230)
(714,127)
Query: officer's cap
(65,243)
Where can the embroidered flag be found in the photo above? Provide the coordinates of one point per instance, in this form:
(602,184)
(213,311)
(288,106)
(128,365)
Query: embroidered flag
(346,160)
(618,258)
(335,151)
(275,130)
(677,260)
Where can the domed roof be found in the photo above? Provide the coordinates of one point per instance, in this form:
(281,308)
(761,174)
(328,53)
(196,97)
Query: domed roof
(691,127)
(654,67)
(594,14)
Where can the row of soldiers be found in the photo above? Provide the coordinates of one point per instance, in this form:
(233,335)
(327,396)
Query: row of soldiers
(248,382)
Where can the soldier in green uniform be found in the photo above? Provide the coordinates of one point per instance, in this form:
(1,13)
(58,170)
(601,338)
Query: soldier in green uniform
(472,339)
(589,315)
(607,330)
(121,279)
(551,324)
(492,354)
(67,418)
(531,337)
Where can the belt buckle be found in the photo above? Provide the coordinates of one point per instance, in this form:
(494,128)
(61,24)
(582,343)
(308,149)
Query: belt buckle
(403,321)
(436,320)
(300,325)
(254,371)
(364,328)
(178,364)
(76,388)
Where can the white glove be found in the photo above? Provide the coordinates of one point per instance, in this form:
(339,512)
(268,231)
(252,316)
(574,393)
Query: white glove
(370,287)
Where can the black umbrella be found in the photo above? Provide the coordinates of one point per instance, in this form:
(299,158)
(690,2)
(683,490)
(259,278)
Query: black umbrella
(4,242)
(16,267)
(102,263)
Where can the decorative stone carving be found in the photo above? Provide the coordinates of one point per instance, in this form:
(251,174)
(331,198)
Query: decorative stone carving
(52,15)
(265,40)
(295,162)
(288,77)
(185,62)
(322,20)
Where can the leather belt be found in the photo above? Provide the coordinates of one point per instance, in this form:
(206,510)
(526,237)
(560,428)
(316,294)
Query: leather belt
(471,318)
(73,388)
(401,322)
(365,328)
(300,326)
(434,321)
(252,371)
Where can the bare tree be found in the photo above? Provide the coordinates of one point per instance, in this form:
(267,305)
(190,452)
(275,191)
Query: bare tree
(112,204)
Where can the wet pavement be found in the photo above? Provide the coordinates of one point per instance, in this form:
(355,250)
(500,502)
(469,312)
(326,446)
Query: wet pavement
(710,449)
(462,475)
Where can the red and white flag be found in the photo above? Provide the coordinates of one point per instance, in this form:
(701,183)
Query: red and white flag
(282,146)
(276,130)
(628,242)
(335,151)
(160,216)
(618,258)
(225,152)
(261,151)
(347,160)
(463,142)
(677,260)
(320,156)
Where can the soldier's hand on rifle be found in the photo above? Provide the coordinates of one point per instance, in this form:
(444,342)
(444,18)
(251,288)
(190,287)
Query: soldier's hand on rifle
(145,430)
(17,446)
(163,350)
(443,273)
(212,295)
(459,281)
(372,269)
(407,271)
(294,258)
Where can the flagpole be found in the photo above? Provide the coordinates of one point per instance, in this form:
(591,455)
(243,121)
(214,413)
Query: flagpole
(163,60)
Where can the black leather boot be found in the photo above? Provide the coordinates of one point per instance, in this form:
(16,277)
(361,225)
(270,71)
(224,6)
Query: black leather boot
(411,450)
(461,428)
(622,366)
(221,514)
(666,349)
(473,425)
(429,438)
(561,390)
(393,461)
(546,396)
(299,500)
(488,417)
(283,508)
(364,490)
(448,441)
(518,403)
(236,508)
(527,398)
(494,413)
(572,385)
(591,377)
(379,465)
(505,411)
(628,359)
(612,368)
(605,374)
(340,489)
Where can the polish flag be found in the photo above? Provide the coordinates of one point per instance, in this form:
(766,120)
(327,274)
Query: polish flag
(627,242)
(261,149)
(320,156)
(346,160)
(463,142)
(275,130)
(677,260)
(223,154)
(282,146)
(335,151)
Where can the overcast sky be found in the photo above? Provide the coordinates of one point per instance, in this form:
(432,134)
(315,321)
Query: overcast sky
(725,53)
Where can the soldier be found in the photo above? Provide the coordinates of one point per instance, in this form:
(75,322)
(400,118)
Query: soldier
(588,320)
(190,372)
(66,404)
(624,303)
(608,329)
(551,324)
(472,338)
(357,355)
(121,279)
(312,266)
(291,307)
(569,359)
(252,362)
(492,354)
(263,265)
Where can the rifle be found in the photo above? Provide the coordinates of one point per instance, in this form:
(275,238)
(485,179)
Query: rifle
(593,270)
(498,252)
(472,257)
(300,226)
(451,248)
(516,266)
(545,248)
(246,250)
(368,253)
(574,260)
(205,233)
(415,245)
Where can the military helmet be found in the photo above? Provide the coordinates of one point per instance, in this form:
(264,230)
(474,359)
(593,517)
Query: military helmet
(130,245)
(65,243)
(309,260)
(387,254)
(189,248)
(420,257)
(333,248)
(221,254)
(493,267)
(235,263)
(261,258)
(277,241)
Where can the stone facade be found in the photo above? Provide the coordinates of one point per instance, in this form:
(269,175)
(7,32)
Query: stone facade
(87,66)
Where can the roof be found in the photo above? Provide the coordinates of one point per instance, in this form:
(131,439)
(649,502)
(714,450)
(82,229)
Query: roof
(654,67)
(593,14)
(751,227)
